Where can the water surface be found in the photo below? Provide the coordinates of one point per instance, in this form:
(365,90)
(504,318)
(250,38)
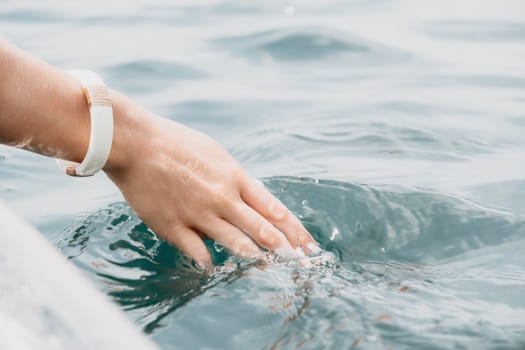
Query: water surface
(394,130)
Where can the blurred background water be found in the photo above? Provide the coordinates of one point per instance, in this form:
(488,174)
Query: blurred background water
(394,129)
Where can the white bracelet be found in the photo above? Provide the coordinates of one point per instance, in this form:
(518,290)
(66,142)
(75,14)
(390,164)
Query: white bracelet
(101,114)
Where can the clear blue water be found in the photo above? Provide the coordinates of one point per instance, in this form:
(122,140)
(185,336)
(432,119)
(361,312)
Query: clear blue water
(393,129)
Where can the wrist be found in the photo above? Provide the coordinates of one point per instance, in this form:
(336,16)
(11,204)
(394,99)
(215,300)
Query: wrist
(80,131)
(128,131)
(71,121)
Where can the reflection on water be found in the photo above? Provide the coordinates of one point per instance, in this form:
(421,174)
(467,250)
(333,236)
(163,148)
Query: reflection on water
(412,114)
(391,255)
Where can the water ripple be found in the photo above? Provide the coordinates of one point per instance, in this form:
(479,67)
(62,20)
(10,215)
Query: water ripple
(31,16)
(393,223)
(400,266)
(333,139)
(476,30)
(149,75)
(309,44)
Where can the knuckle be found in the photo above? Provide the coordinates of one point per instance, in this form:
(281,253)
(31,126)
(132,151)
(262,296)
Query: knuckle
(268,236)
(277,211)
(236,170)
(235,178)
(224,200)
(219,195)
(243,246)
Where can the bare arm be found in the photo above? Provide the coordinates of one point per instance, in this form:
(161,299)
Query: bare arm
(41,110)
(180,182)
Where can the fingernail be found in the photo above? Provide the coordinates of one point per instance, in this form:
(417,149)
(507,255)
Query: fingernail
(299,252)
(290,253)
(314,249)
(252,254)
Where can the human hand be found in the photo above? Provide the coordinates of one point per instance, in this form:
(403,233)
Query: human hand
(181,183)
(184,186)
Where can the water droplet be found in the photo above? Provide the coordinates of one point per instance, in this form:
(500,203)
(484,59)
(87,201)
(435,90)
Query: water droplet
(218,247)
(335,233)
(383,250)
(304,202)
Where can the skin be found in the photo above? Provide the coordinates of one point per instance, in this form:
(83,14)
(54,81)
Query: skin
(180,182)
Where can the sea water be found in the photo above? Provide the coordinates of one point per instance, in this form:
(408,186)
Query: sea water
(393,129)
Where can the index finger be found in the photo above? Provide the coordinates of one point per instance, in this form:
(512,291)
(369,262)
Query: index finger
(272,209)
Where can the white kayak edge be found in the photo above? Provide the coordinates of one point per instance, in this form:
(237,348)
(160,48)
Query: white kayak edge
(47,303)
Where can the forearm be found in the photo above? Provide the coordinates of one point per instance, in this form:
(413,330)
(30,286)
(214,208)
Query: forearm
(44,110)
(41,109)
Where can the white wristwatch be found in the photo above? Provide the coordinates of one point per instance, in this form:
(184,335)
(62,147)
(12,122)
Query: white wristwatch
(101,113)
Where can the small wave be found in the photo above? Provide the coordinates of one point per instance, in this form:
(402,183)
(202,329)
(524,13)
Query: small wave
(481,80)
(394,223)
(145,275)
(305,44)
(149,75)
(30,16)
(476,30)
(335,138)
